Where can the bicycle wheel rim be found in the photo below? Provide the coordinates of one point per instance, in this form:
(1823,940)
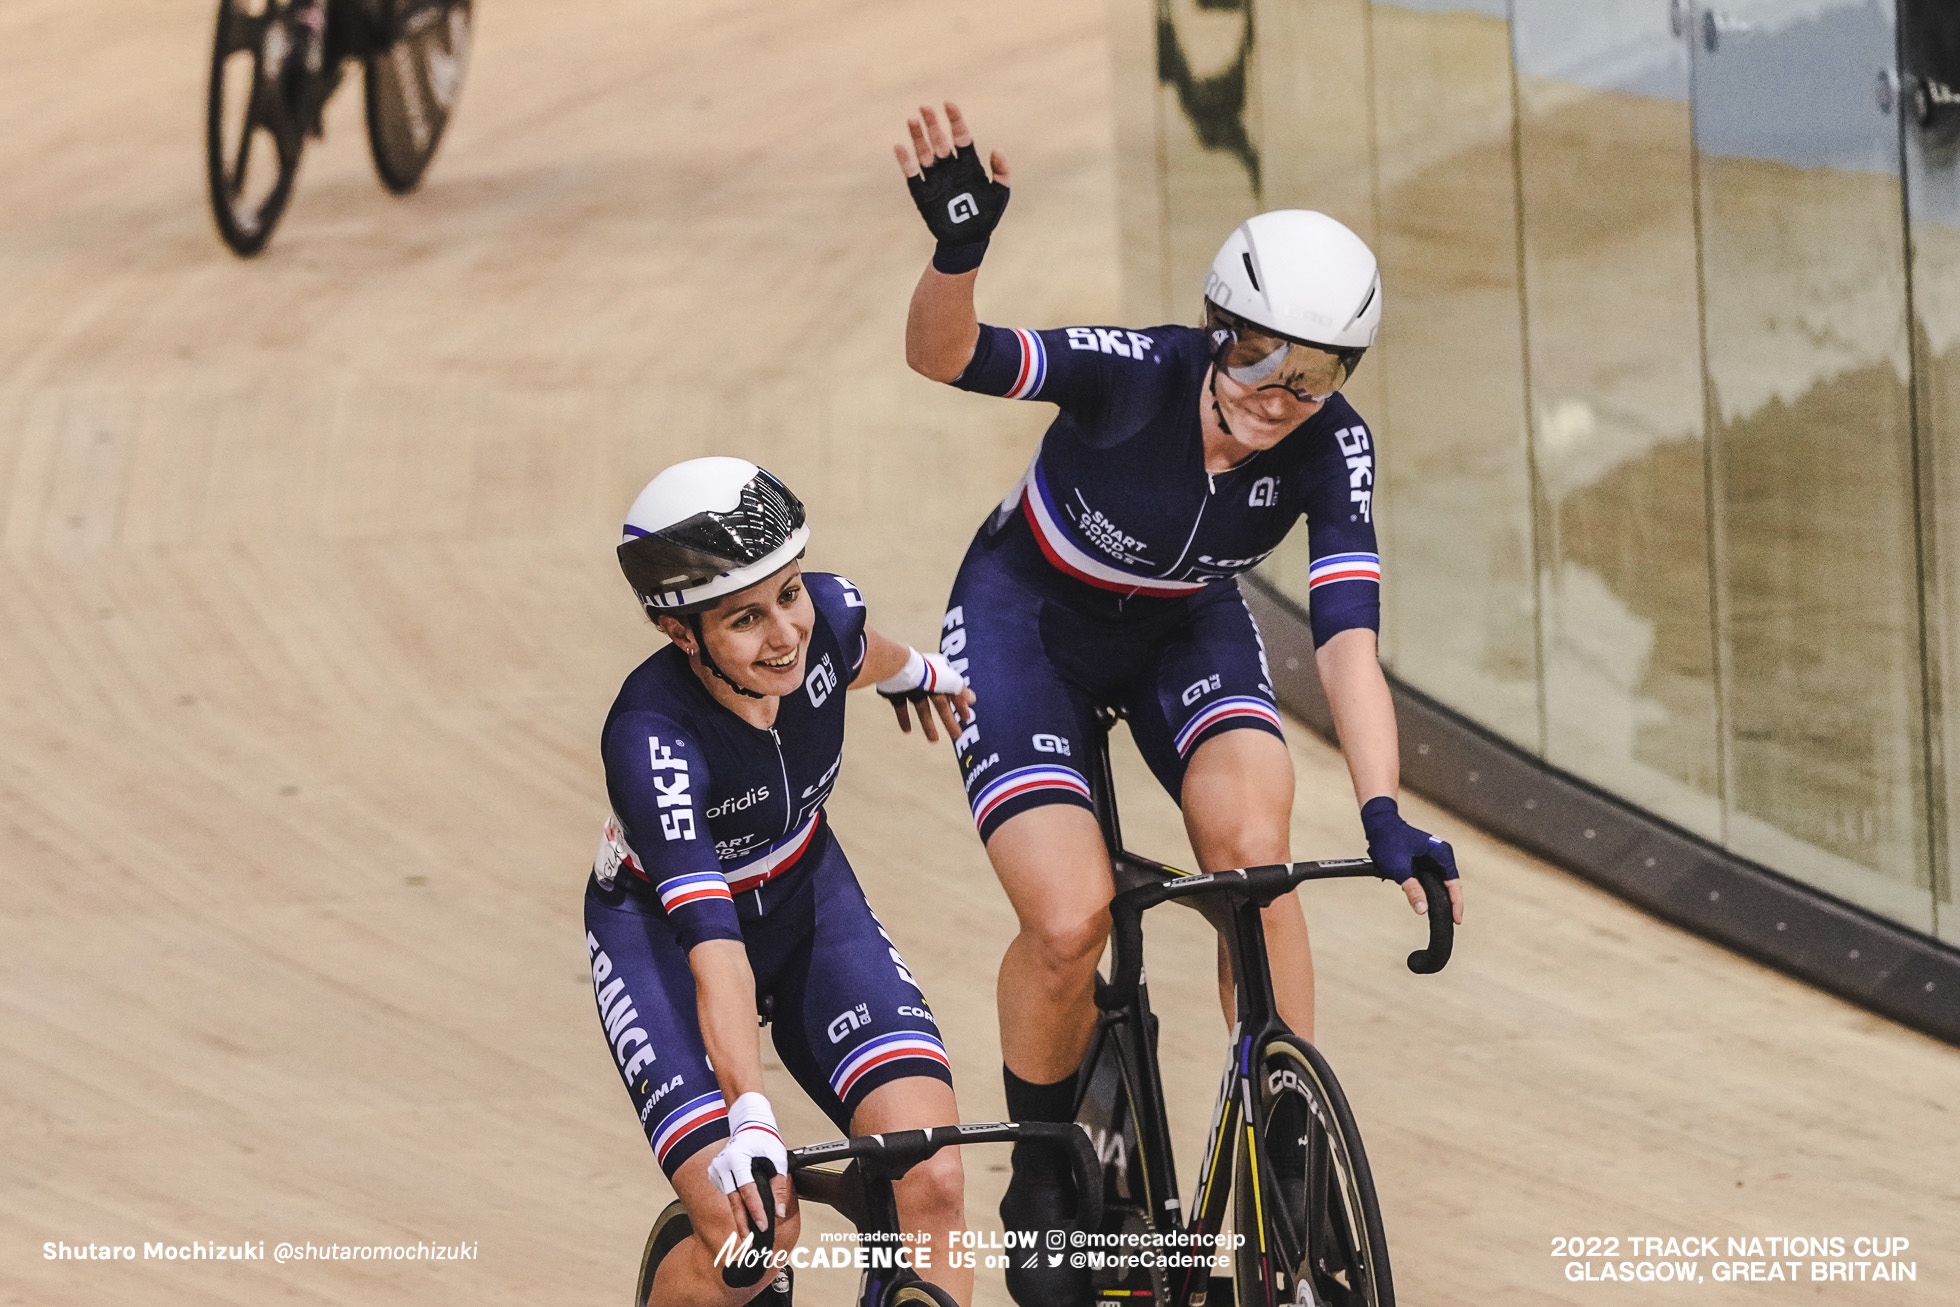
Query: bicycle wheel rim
(252,144)
(411,87)
(1313,1198)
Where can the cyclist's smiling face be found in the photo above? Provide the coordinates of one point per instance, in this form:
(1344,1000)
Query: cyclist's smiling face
(1259,419)
(758,635)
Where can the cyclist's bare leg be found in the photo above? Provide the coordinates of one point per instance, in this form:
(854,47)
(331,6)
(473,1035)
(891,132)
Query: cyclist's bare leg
(1238,804)
(932,1196)
(688,1276)
(1052,863)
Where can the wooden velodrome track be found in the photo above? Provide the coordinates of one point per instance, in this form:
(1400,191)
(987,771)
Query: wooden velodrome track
(309,618)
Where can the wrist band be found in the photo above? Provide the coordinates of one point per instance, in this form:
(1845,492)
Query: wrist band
(955,259)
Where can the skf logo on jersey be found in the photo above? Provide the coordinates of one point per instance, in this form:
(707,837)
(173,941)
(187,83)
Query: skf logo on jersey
(1110,340)
(1199,689)
(848,1021)
(962,206)
(820,682)
(1361,468)
(1265,493)
(1050,744)
(672,791)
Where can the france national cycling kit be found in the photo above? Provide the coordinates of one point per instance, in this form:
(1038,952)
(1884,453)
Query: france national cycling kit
(718,832)
(1109,574)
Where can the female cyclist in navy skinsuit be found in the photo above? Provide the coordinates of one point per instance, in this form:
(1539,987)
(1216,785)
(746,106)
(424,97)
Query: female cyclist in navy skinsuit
(1180,458)
(718,885)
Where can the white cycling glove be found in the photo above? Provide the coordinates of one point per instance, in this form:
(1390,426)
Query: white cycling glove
(923,674)
(751,1134)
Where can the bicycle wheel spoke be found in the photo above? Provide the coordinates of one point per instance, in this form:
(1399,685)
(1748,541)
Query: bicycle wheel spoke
(235,179)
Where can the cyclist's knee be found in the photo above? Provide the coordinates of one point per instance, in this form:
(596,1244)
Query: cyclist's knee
(932,1196)
(1067,943)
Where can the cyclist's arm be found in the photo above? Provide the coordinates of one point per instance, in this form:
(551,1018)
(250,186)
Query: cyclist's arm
(941,328)
(901,672)
(884,658)
(724,998)
(1364,712)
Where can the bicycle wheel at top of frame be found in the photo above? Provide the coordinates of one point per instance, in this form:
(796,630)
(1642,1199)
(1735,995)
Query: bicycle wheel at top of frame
(1313,1229)
(412,83)
(252,130)
(919,1294)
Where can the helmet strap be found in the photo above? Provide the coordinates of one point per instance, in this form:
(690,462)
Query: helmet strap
(1217,410)
(707,659)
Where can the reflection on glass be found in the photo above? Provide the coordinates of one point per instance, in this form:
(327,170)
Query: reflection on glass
(1454,494)
(1930,104)
(1316,150)
(1207,112)
(1804,282)
(1607,223)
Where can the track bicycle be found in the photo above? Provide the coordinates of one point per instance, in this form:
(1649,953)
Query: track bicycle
(1283,1143)
(855,1177)
(274,65)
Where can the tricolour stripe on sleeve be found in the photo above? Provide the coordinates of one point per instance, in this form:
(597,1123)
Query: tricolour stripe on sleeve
(1344,567)
(1034,365)
(697,888)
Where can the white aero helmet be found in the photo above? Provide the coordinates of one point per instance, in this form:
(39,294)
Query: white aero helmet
(1293,300)
(707,528)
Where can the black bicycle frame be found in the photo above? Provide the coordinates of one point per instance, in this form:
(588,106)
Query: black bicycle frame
(1232,901)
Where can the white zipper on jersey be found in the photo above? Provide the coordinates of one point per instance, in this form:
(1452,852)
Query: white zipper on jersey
(789,804)
(1211,488)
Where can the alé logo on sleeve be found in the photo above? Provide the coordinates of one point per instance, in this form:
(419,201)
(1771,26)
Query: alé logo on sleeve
(670,790)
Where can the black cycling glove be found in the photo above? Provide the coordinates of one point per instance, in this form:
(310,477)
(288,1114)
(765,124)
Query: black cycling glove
(961,206)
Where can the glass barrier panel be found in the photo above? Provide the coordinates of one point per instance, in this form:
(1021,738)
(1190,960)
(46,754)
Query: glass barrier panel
(1606,219)
(1453,493)
(1928,88)
(1816,556)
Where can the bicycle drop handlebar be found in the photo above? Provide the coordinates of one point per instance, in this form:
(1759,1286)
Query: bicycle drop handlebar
(896,1153)
(748,1265)
(1263,884)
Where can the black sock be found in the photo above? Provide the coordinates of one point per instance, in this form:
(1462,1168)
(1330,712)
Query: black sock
(1041,1165)
(1027,1101)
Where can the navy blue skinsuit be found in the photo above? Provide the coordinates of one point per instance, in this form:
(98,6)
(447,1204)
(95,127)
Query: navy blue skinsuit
(1109,575)
(718,832)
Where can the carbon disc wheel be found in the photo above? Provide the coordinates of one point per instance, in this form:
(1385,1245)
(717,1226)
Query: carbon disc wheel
(1304,1197)
(919,1294)
(252,132)
(412,84)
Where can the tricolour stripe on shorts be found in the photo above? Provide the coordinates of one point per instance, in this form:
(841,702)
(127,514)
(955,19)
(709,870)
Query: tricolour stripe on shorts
(1344,567)
(691,1115)
(1023,780)
(683,890)
(1238,706)
(1034,365)
(884,1050)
